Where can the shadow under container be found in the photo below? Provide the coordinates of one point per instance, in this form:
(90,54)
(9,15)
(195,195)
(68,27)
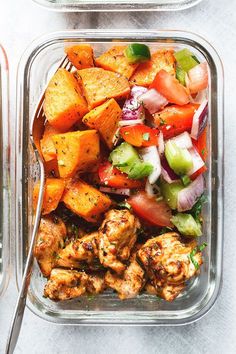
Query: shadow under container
(37,66)
(117,5)
(4,174)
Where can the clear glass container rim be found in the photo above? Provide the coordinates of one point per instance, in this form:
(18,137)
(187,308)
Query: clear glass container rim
(118,34)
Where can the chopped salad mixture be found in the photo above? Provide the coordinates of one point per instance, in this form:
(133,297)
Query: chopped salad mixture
(124,148)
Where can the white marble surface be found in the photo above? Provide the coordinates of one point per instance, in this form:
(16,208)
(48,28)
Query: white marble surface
(20,22)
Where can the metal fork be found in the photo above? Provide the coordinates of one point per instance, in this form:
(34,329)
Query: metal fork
(36,131)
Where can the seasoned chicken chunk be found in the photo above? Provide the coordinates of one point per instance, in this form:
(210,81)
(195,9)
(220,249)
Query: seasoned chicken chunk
(95,283)
(167,263)
(80,250)
(168,291)
(50,239)
(117,236)
(68,284)
(130,283)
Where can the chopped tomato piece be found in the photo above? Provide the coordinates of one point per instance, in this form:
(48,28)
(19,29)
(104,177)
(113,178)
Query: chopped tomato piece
(140,135)
(198,172)
(201,144)
(174,120)
(168,86)
(112,177)
(147,208)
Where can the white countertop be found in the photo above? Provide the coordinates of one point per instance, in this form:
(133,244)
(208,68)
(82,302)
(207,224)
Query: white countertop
(20,22)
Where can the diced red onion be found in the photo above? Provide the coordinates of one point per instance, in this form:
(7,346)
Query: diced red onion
(153,101)
(137,91)
(149,189)
(152,190)
(199,120)
(167,173)
(123,123)
(198,78)
(183,141)
(120,191)
(197,161)
(132,108)
(161,144)
(188,196)
(150,154)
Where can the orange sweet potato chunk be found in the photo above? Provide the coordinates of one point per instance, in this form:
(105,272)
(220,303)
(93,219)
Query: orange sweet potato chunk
(81,56)
(105,119)
(47,147)
(76,152)
(64,103)
(85,201)
(115,60)
(99,85)
(146,72)
(51,168)
(53,191)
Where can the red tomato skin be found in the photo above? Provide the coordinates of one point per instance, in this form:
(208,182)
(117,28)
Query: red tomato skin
(134,135)
(168,86)
(201,144)
(199,172)
(174,120)
(112,177)
(147,208)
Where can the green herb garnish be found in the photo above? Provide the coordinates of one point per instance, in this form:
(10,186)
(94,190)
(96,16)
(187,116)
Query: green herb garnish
(194,252)
(146,136)
(197,208)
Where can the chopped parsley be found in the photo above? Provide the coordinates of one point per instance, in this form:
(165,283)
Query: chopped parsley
(124,205)
(194,252)
(146,136)
(197,208)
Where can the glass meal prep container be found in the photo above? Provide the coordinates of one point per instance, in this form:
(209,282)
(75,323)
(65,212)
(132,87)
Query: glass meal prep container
(4,174)
(37,65)
(114,5)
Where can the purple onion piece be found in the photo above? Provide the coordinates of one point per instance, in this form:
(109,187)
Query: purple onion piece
(188,196)
(199,120)
(167,173)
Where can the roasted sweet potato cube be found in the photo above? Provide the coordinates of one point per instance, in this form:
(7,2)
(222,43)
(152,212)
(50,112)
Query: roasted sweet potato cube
(85,201)
(146,72)
(51,168)
(53,190)
(115,60)
(47,147)
(105,119)
(76,152)
(64,103)
(99,85)
(80,55)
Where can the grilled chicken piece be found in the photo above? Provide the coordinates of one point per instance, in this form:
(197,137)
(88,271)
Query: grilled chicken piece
(77,251)
(168,291)
(95,284)
(50,239)
(117,236)
(130,283)
(167,263)
(68,284)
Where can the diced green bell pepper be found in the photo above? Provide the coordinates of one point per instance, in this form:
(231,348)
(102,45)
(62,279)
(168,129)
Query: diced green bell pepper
(170,192)
(137,53)
(179,159)
(127,160)
(186,60)
(140,170)
(187,225)
(180,75)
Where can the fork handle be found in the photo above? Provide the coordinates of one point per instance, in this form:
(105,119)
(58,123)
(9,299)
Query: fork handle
(21,300)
